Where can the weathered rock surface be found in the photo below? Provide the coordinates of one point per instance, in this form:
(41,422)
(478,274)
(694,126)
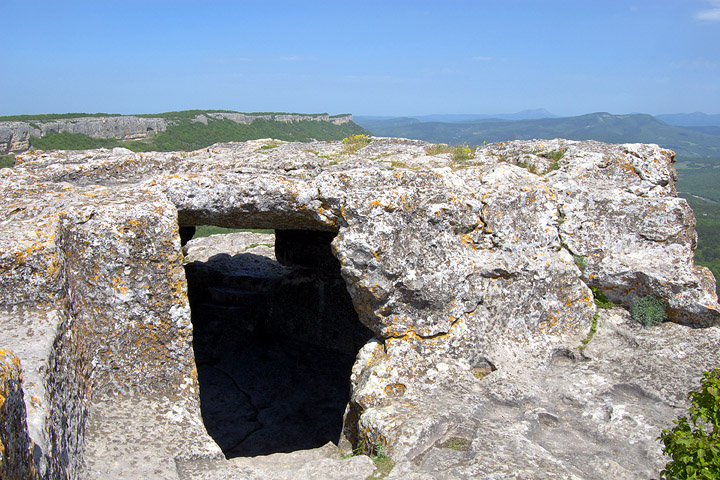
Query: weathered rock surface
(458,269)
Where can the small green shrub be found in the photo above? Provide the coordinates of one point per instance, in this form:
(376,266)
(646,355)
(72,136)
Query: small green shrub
(269,146)
(554,155)
(529,166)
(7,161)
(648,310)
(438,149)
(601,301)
(376,452)
(456,443)
(397,164)
(462,153)
(353,143)
(383,463)
(695,445)
(580,261)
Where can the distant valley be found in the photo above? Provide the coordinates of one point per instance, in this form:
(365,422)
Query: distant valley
(688,141)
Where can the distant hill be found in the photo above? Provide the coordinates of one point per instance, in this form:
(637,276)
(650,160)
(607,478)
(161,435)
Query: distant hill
(466,117)
(171,131)
(604,127)
(696,119)
(709,130)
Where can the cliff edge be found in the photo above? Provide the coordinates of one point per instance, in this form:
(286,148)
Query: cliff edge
(15,135)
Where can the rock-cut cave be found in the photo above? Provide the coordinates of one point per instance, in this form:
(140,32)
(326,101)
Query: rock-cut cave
(274,342)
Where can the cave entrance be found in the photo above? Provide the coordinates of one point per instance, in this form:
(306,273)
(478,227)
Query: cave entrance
(275,338)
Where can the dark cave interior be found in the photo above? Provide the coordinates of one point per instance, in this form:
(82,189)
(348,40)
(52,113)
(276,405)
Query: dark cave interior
(274,345)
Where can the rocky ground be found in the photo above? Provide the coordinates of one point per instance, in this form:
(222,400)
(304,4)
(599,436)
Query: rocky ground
(461,289)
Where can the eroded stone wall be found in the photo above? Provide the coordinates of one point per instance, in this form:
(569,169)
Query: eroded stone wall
(16,460)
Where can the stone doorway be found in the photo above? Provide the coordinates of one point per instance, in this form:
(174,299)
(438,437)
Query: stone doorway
(274,341)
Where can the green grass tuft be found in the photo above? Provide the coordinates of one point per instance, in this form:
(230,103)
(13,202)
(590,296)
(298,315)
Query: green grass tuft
(462,153)
(438,148)
(456,443)
(580,261)
(555,155)
(593,329)
(649,310)
(601,301)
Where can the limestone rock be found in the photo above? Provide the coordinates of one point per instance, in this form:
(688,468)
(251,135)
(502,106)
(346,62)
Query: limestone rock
(458,269)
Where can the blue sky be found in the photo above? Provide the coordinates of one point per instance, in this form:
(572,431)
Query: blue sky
(367,58)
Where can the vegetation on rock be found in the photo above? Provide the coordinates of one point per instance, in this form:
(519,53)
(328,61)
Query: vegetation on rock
(554,154)
(353,143)
(649,310)
(185,134)
(376,452)
(601,301)
(694,444)
(462,153)
(71,141)
(7,161)
(456,443)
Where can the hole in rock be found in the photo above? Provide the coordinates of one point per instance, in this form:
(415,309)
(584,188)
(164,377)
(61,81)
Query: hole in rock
(274,340)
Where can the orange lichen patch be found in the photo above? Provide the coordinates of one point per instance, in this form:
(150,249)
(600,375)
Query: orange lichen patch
(119,285)
(466,239)
(397,332)
(395,389)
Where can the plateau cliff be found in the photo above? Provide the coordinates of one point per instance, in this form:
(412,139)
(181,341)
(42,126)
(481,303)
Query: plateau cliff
(15,135)
(459,292)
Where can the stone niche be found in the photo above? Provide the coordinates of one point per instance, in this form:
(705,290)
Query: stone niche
(274,341)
